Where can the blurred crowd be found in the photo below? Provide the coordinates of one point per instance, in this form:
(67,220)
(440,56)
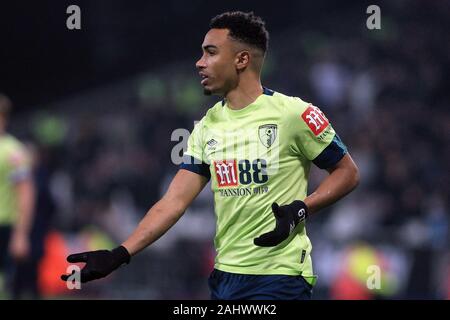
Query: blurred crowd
(107,155)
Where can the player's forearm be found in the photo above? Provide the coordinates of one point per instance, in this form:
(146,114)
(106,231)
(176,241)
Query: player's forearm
(341,181)
(25,207)
(160,218)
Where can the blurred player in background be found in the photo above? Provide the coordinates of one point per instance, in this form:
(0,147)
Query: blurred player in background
(16,201)
(256,146)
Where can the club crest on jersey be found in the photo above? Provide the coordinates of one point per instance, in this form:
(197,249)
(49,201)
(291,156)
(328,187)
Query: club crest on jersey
(267,134)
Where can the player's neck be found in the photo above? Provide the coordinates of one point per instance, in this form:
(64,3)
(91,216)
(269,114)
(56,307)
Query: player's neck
(244,94)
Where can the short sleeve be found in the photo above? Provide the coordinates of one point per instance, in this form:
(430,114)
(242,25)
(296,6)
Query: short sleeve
(193,158)
(313,136)
(195,142)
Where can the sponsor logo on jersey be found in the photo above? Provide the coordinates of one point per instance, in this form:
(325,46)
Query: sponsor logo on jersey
(233,172)
(267,134)
(315,119)
(226,173)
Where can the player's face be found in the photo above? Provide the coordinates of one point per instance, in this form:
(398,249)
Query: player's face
(217,64)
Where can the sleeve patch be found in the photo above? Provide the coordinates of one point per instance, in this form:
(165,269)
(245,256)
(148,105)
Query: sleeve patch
(315,119)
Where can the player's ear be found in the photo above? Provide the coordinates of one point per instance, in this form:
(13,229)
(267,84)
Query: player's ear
(242,60)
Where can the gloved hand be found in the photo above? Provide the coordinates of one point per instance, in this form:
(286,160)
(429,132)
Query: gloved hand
(99,263)
(287,218)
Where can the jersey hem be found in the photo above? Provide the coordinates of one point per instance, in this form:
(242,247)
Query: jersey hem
(311,279)
(282,271)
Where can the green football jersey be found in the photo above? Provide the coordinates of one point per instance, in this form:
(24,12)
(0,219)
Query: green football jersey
(256,156)
(14,166)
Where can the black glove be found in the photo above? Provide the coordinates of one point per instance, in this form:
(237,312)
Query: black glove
(99,263)
(287,218)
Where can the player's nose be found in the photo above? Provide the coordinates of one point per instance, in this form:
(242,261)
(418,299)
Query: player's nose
(200,64)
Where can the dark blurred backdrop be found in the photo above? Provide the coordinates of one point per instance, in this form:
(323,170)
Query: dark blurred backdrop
(101,103)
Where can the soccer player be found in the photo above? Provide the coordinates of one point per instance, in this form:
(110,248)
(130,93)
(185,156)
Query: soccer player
(256,146)
(16,198)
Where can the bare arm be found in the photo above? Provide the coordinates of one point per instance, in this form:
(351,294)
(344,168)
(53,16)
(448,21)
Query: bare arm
(183,189)
(20,242)
(343,178)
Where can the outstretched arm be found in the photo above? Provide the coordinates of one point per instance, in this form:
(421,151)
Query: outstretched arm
(183,189)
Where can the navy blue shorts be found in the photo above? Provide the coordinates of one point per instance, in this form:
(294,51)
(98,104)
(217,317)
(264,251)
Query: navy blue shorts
(233,286)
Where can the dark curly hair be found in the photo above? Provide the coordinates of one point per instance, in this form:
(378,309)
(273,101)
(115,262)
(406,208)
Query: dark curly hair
(244,27)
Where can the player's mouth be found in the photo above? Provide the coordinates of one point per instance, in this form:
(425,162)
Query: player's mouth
(204,78)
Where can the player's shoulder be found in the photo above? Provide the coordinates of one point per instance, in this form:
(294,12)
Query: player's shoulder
(9,142)
(290,105)
(213,113)
(209,117)
(13,150)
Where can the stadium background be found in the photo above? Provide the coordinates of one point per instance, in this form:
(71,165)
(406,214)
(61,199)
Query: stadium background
(99,106)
